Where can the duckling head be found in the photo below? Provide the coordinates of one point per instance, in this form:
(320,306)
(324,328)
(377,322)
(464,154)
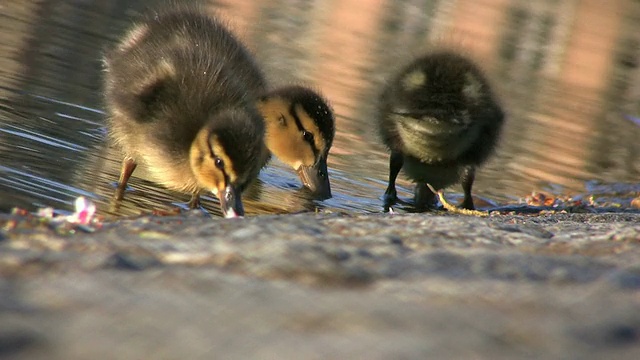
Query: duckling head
(300,127)
(225,155)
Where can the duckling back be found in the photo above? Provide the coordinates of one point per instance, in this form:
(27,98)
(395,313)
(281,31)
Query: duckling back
(440,109)
(172,71)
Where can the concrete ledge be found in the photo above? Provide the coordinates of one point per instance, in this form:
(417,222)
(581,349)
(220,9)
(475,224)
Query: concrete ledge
(324,286)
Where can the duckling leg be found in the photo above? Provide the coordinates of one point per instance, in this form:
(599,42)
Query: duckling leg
(128,166)
(194,203)
(468,177)
(424,198)
(395,164)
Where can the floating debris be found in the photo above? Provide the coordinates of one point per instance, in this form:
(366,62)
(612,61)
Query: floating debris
(85,212)
(84,218)
(540,199)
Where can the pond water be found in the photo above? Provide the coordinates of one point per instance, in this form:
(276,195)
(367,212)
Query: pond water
(567,73)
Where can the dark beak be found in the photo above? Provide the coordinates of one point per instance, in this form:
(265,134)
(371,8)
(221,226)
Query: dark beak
(316,179)
(230,202)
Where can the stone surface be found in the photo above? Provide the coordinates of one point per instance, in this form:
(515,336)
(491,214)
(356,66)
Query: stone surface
(324,286)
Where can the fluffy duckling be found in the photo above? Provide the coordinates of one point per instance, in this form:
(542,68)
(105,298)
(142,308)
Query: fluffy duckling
(440,120)
(180,94)
(300,127)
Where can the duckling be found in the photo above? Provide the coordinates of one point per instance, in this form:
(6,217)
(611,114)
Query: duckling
(440,121)
(180,91)
(300,127)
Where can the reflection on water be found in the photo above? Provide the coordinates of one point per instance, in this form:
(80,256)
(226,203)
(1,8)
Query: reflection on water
(568,73)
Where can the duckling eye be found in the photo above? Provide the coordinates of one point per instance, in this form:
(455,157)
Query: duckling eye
(308,136)
(219,163)
(282,120)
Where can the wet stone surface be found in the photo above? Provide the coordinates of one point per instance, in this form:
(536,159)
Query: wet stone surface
(323,286)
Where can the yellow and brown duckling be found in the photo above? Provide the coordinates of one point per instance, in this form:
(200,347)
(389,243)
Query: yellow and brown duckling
(181,96)
(300,127)
(440,120)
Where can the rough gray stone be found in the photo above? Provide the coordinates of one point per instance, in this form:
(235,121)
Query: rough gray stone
(318,286)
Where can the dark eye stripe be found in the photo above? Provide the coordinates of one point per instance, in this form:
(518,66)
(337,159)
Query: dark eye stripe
(296,119)
(309,140)
(218,162)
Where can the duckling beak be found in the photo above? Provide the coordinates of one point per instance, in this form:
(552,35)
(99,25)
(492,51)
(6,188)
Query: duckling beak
(316,178)
(230,202)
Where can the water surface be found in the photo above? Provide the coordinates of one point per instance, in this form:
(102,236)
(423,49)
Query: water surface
(567,73)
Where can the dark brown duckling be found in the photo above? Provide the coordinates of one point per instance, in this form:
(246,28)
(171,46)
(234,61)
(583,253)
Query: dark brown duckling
(300,127)
(440,120)
(180,95)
